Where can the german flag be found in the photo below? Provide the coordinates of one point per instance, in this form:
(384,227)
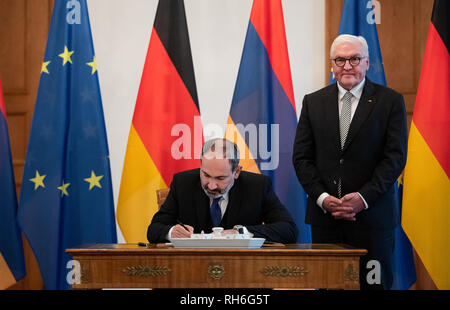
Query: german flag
(426,189)
(166,132)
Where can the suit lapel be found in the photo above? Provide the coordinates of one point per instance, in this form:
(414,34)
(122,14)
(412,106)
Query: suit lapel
(365,106)
(331,115)
(234,202)
(201,205)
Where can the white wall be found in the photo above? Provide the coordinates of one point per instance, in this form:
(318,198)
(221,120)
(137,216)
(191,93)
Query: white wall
(121,33)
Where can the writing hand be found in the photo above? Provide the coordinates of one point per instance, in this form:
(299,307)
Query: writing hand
(179,231)
(229,232)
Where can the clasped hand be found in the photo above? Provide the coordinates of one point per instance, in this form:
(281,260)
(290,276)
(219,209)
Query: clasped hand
(345,208)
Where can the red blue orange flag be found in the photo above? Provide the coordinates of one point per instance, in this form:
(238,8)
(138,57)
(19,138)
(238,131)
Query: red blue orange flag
(263,118)
(166,133)
(12,265)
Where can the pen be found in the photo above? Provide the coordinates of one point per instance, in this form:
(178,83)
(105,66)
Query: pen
(182,225)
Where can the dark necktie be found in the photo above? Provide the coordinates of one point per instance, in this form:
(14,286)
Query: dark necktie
(216,214)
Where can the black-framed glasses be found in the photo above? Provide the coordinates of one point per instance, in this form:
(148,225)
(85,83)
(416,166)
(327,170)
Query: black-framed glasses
(354,61)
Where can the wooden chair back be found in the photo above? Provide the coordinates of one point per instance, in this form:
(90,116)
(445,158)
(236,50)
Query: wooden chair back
(161,195)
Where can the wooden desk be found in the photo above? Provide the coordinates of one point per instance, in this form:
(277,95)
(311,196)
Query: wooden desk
(291,266)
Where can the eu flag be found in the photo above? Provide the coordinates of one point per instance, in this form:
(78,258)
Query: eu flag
(12,265)
(358,18)
(403,266)
(66,198)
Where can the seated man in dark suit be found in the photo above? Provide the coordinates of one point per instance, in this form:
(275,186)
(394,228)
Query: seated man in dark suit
(220,194)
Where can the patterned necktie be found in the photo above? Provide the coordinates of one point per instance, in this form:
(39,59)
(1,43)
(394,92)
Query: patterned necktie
(216,214)
(345,117)
(344,125)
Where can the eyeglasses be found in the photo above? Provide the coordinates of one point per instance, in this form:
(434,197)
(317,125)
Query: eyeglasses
(354,61)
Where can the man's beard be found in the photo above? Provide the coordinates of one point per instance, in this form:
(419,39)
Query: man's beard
(218,193)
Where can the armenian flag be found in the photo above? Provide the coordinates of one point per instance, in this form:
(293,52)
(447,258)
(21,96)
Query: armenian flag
(263,118)
(12,264)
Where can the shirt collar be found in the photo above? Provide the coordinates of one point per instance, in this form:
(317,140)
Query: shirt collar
(356,91)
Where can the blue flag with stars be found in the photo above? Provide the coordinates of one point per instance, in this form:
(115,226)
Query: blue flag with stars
(359,18)
(66,197)
(404,268)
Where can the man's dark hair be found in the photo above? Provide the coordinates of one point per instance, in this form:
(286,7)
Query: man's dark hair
(222,147)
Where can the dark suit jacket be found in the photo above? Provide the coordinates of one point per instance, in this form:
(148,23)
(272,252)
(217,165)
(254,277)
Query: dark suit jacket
(251,201)
(373,156)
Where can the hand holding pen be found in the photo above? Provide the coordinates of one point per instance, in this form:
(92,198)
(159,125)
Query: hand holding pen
(182,231)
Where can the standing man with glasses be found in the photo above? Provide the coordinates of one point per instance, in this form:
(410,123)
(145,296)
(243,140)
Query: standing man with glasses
(350,148)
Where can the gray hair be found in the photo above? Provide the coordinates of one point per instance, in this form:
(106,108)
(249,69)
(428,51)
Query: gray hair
(222,148)
(343,38)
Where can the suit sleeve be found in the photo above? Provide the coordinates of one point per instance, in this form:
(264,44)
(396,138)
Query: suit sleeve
(278,224)
(304,155)
(394,154)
